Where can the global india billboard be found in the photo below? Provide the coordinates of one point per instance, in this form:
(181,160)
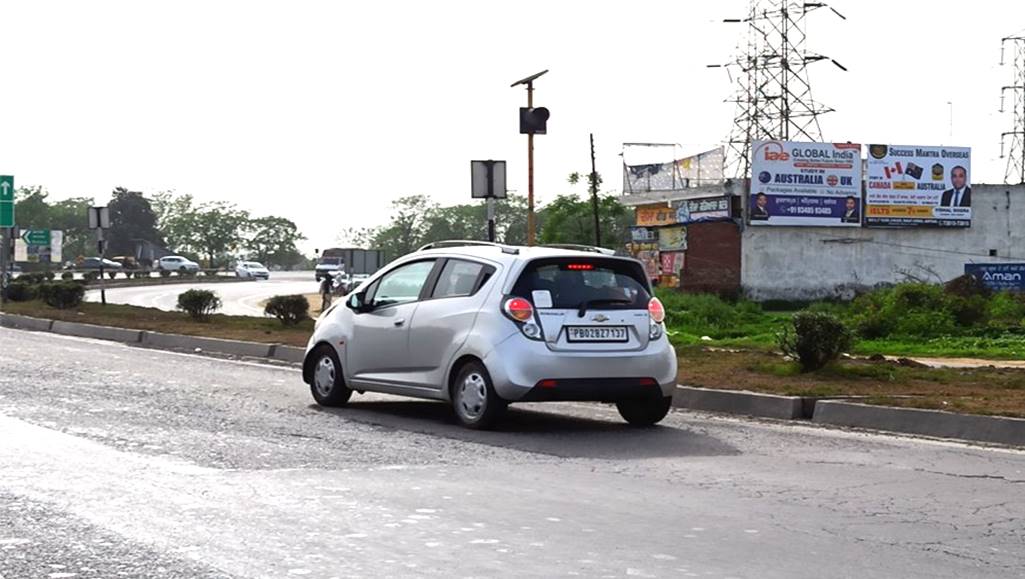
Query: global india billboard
(805,184)
(911,186)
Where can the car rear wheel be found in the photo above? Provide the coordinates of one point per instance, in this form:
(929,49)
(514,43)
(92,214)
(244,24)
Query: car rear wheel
(327,384)
(645,412)
(474,399)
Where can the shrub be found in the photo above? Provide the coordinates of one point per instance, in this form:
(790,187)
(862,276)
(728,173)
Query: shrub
(814,339)
(289,310)
(968,311)
(967,286)
(20,291)
(62,294)
(1006,309)
(165,273)
(90,276)
(112,273)
(49,275)
(67,276)
(32,278)
(199,304)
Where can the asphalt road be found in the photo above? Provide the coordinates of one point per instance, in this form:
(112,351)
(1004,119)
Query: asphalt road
(239,299)
(121,461)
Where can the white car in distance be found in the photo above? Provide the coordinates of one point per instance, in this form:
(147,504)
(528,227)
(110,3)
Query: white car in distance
(252,269)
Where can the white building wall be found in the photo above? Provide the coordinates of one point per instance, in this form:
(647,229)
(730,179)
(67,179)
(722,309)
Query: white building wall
(813,262)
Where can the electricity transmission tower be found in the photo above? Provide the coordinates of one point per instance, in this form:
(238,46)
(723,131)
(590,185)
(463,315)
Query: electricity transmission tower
(773,95)
(1013,142)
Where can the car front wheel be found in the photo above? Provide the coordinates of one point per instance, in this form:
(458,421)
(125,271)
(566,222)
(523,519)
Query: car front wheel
(327,384)
(474,399)
(645,412)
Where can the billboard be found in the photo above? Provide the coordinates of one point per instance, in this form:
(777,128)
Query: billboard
(703,168)
(703,209)
(805,184)
(643,235)
(672,238)
(655,215)
(998,276)
(912,186)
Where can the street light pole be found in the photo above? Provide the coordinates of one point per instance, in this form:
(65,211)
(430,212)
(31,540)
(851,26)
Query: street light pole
(529,83)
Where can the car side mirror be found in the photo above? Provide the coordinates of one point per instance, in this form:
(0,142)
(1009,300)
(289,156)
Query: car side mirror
(357,303)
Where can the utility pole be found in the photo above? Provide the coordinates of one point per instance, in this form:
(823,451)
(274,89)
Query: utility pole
(594,197)
(532,121)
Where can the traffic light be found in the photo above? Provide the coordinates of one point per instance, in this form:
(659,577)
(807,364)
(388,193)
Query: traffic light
(533,121)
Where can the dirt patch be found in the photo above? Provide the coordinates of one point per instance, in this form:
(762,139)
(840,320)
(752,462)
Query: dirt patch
(998,391)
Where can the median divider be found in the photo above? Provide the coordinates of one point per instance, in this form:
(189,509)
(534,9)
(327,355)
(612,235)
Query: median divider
(740,402)
(157,340)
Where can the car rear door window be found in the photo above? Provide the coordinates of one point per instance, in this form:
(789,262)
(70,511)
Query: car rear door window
(590,283)
(458,278)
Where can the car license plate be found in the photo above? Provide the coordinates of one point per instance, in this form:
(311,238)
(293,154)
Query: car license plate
(597,334)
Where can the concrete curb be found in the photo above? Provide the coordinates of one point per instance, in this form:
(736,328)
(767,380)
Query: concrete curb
(157,340)
(740,402)
(114,284)
(181,342)
(25,323)
(937,423)
(97,332)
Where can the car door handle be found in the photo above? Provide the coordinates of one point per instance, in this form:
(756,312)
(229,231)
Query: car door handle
(399,322)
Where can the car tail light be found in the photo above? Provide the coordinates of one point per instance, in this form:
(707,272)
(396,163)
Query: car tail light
(656,310)
(579,266)
(518,309)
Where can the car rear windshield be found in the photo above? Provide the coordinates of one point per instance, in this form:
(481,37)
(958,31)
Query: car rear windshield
(591,283)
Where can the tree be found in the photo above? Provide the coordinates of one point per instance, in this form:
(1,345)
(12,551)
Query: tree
(176,215)
(408,227)
(217,230)
(272,240)
(570,219)
(131,219)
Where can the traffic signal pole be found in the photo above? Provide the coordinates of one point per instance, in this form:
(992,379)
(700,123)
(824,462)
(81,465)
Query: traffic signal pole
(530,170)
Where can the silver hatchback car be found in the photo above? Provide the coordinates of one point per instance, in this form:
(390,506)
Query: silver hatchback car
(483,325)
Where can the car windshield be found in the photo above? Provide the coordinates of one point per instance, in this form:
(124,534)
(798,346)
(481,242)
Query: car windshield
(592,283)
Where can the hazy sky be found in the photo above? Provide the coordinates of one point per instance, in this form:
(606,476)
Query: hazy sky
(324,112)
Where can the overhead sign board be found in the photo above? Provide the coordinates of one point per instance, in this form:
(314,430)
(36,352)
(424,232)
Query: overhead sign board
(805,184)
(6,200)
(910,186)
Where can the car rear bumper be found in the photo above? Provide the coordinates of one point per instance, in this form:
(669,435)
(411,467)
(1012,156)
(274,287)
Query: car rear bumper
(522,370)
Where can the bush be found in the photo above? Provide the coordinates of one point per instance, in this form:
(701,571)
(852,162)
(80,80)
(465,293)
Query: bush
(67,276)
(199,304)
(90,276)
(814,339)
(967,286)
(165,273)
(112,273)
(20,291)
(62,294)
(1006,309)
(32,278)
(49,275)
(289,310)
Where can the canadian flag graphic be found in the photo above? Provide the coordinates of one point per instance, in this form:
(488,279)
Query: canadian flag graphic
(895,170)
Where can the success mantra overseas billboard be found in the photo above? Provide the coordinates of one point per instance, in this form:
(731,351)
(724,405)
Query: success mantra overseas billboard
(911,186)
(805,184)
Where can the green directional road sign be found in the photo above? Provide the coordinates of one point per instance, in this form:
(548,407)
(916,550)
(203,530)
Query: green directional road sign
(36,236)
(6,200)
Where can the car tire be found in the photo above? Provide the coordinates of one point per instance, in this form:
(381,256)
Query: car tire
(326,381)
(645,412)
(474,400)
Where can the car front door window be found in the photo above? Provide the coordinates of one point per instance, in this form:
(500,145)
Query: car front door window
(402,284)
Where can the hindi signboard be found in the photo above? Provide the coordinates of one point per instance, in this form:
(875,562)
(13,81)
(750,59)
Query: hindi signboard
(656,215)
(998,276)
(702,209)
(911,186)
(805,184)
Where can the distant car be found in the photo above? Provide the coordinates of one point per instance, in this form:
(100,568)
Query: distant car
(127,261)
(94,263)
(253,269)
(176,263)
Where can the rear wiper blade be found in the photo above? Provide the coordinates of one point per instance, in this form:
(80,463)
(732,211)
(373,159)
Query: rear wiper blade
(587,303)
